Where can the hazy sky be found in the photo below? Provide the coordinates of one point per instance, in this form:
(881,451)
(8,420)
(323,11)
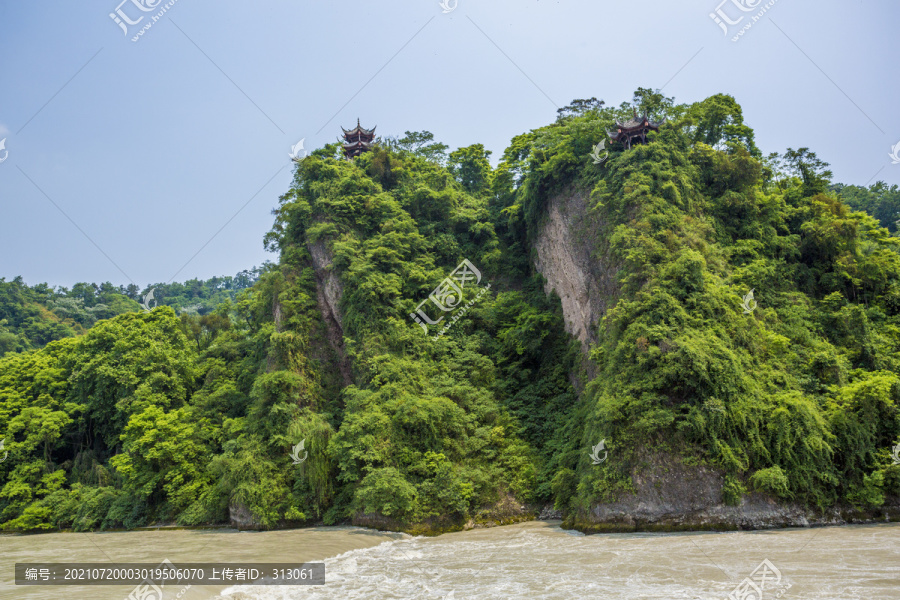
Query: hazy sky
(151,147)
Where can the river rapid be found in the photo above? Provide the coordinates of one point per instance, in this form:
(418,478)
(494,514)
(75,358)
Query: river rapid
(529,560)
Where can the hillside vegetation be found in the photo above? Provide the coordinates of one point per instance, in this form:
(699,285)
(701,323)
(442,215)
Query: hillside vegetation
(33,316)
(154,417)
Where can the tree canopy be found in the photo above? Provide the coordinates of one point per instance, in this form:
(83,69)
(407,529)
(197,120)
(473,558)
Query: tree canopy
(118,417)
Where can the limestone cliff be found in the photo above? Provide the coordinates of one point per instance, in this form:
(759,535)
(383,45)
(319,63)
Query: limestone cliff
(565,254)
(328,295)
(667,494)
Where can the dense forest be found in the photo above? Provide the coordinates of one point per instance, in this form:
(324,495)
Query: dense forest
(879,200)
(311,394)
(33,316)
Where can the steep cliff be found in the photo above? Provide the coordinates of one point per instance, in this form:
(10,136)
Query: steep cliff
(665,493)
(423,442)
(717,409)
(329,291)
(565,254)
(609,362)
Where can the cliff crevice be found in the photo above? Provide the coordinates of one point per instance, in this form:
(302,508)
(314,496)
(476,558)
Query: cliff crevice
(329,291)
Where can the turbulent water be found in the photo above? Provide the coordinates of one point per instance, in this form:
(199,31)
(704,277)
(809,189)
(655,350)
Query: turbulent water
(532,560)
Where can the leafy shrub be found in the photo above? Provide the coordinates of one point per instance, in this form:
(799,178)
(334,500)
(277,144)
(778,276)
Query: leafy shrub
(771,480)
(385,491)
(732,491)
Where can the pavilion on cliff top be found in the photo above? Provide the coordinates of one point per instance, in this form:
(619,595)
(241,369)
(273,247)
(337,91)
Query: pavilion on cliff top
(634,130)
(357,140)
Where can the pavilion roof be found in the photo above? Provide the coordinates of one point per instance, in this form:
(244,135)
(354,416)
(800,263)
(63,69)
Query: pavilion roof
(359,130)
(639,122)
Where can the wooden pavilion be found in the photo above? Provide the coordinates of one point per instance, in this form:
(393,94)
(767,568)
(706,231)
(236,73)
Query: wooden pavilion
(357,140)
(634,130)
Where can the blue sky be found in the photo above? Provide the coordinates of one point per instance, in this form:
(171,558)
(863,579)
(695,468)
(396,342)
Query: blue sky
(169,153)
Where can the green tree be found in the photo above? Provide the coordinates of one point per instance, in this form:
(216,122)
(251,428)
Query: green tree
(162,457)
(471,168)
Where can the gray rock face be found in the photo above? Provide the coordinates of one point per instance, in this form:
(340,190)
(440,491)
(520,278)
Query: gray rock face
(548,513)
(330,287)
(564,250)
(329,291)
(240,517)
(673,496)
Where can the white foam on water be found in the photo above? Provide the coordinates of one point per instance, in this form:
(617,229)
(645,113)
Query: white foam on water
(540,562)
(520,565)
